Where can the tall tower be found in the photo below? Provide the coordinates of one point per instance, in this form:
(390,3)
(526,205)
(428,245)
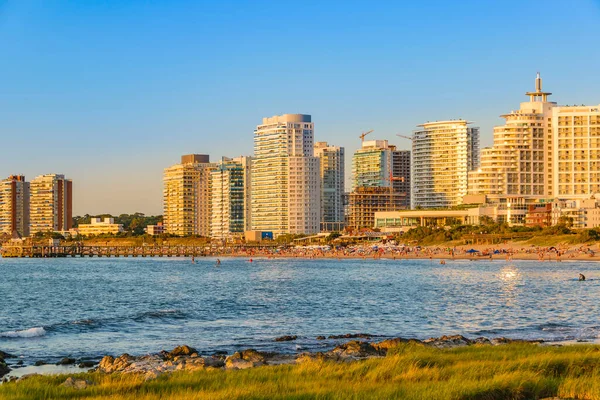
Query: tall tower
(519,165)
(443,153)
(186,196)
(332,185)
(51,204)
(14,206)
(229,197)
(285,176)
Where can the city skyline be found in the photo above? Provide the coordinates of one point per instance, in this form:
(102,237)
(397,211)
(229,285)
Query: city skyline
(116,108)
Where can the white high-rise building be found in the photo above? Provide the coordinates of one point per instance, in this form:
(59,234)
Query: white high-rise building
(576,151)
(332,182)
(520,161)
(443,153)
(286,192)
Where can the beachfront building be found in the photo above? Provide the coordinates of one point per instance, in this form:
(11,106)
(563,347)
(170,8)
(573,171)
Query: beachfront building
(100,226)
(331,161)
(286,193)
(403,220)
(50,204)
(154,230)
(520,161)
(380,182)
(186,196)
(14,206)
(582,213)
(576,151)
(230,197)
(443,153)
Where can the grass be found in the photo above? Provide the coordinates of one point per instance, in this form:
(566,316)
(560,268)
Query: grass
(410,371)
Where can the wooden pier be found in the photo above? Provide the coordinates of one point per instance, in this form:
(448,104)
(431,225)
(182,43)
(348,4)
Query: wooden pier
(75,250)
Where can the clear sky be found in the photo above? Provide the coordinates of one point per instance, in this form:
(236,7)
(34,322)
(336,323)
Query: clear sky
(111,92)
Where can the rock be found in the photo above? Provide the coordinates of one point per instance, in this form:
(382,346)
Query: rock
(287,338)
(356,349)
(245,359)
(351,336)
(321,338)
(66,361)
(214,362)
(27,376)
(4,355)
(20,362)
(482,341)
(76,383)
(86,364)
(182,351)
(383,346)
(4,369)
(151,375)
(109,364)
(39,363)
(448,341)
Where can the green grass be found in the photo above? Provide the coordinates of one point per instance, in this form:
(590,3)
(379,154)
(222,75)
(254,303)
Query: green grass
(410,371)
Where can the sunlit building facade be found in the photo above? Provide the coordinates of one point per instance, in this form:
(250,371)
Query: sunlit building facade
(331,161)
(186,196)
(14,206)
(443,153)
(51,204)
(285,176)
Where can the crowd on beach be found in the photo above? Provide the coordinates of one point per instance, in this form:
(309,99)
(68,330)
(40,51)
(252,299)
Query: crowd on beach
(394,251)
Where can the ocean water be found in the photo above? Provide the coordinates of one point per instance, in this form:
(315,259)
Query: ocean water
(87,308)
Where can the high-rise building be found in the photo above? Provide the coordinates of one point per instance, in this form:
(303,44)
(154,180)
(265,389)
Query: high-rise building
(230,197)
(442,154)
(186,196)
(520,161)
(331,160)
(576,152)
(381,182)
(14,206)
(285,176)
(51,204)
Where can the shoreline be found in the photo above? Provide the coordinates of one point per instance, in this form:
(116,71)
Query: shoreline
(349,347)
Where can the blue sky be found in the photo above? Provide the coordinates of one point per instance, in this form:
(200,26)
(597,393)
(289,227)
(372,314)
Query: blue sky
(111,92)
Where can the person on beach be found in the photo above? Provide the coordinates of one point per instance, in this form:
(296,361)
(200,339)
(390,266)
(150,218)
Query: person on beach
(581,277)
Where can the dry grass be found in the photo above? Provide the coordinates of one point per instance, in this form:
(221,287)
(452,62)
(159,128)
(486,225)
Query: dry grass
(517,371)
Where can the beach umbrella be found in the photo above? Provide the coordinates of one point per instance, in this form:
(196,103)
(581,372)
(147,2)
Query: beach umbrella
(472,251)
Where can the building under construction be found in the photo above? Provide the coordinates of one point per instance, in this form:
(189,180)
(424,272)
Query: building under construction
(364,202)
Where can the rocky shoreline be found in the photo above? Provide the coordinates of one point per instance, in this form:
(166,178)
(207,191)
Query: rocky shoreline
(186,358)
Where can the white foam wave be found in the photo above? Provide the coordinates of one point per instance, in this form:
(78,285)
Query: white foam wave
(26,333)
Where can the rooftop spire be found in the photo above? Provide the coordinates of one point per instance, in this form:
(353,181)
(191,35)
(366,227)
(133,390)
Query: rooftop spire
(538,95)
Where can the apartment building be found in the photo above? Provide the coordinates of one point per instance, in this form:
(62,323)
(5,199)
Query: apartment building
(576,153)
(443,153)
(230,197)
(286,193)
(381,182)
(51,204)
(520,161)
(186,196)
(331,161)
(14,206)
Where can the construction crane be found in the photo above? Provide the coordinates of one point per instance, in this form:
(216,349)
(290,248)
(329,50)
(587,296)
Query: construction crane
(404,136)
(362,135)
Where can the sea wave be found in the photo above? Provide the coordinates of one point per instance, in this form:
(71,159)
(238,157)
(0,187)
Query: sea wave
(25,333)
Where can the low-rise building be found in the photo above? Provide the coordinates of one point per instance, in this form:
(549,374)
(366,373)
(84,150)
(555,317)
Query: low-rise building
(99,226)
(157,229)
(539,215)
